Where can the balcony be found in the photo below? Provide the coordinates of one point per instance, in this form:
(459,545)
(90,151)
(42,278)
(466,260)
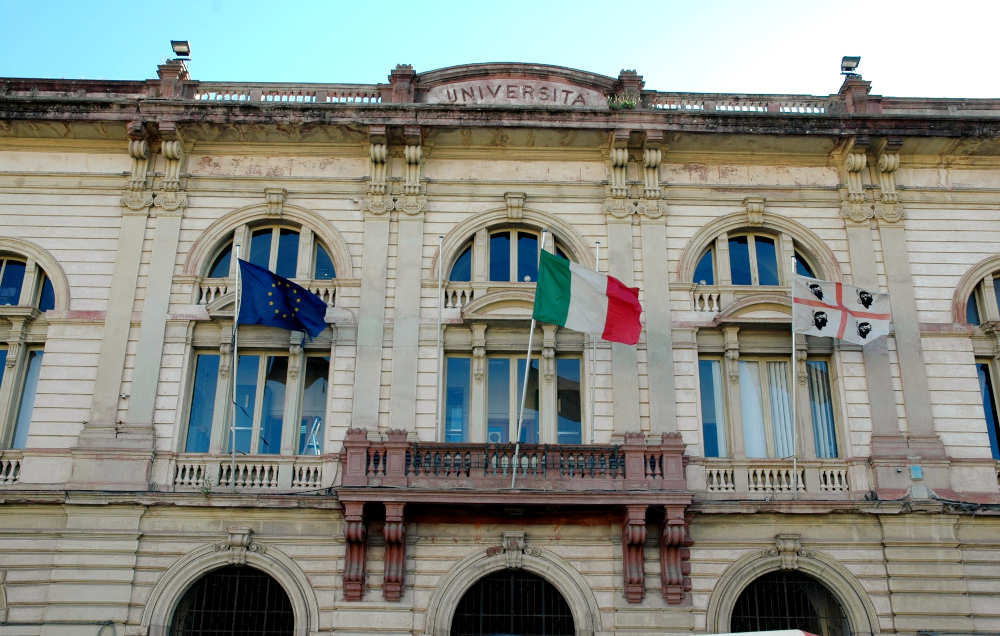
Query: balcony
(262,473)
(756,479)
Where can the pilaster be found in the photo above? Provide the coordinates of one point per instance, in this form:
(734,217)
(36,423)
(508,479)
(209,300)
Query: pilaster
(409,272)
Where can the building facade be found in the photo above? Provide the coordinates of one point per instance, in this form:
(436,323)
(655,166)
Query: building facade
(699,482)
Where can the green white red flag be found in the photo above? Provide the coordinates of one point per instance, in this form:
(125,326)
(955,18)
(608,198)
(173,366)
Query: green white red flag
(577,298)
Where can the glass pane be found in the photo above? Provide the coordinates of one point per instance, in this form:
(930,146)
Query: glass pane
(260,247)
(206,376)
(3,363)
(767,261)
(314,405)
(500,256)
(752,409)
(461,271)
(456,402)
(802,267)
(560,252)
(989,407)
(27,403)
(569,426)
(713,415)
(996,291)
(288,253)
(739,261)
(704,274)
(10,285)
(781,409)
(529,425)
(497,400)
(246,395)
(220,268)
(273,407)
(47,300)
(821,405)
(527,258)
(972,310)
(324,266)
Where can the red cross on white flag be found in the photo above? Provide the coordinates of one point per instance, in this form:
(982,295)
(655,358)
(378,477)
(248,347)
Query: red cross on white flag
(835,310)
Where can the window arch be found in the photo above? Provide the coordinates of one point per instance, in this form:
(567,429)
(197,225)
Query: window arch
(788,599)
(282,248)
(234,599)
(502,253)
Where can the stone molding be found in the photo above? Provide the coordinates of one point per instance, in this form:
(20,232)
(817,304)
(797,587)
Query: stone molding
(786,554)
(967,285)
(573,587)
(170,588)
(48,263)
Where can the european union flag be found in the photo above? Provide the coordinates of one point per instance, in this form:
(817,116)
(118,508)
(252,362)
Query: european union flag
(268,299)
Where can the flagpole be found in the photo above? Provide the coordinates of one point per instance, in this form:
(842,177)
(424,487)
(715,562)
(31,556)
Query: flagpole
(527,371)
(795,382)
(593,351)
(440,350)
(236,357)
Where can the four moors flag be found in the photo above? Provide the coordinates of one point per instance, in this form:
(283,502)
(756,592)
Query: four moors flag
(824,308)
(577,298)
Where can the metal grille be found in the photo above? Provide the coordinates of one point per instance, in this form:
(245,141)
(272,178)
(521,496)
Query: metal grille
(234,600)
(789,600)
(512,602)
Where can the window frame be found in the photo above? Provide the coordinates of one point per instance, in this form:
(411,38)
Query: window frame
(305,268)
(991,367)
(479,267)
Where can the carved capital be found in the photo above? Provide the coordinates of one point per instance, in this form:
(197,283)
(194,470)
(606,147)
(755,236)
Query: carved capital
(619,208)
(857,212)
(136,201)
(515,205)
(378,204)
(225,358)
(754,207)
(478,350)
(294,355)
(171,202)
(889,212)
(732,344)
(411,204)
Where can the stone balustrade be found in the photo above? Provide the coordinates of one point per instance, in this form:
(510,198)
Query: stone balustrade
(770,477)
(261,472)
(211,289)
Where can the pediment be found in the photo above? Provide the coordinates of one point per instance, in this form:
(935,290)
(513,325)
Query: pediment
(504,304)
(510,84)
(758,308)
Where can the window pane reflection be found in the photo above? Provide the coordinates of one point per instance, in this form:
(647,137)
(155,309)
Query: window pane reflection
(713,416)
(27,403)
(260,248)
(273,405)
(220,268)
(704,274)
(246,397)
(527,258)
(569,426)
(802,268)
(199,431)
(989,407)
(767,261)
(497,400)
(461,271)
(10,284)
(500,256)
(314,405)
(288,253)
(47,300)
(456,399)
(739,261)
(529,424)
(324,265)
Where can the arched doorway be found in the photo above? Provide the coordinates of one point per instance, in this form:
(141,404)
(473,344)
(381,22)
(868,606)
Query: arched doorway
(235,599)
(512,602)
(789,599)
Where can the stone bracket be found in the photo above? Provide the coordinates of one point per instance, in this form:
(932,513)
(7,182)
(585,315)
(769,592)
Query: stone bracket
(675,565)
(633,541)
(394,533)
(356,550)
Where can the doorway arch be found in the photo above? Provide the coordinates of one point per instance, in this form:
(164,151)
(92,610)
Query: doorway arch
(789,599)
(512,602)
(234,599)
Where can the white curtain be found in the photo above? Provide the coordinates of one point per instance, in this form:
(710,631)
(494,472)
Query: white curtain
(754,440)
(781,409)
(821,406)
(713,409)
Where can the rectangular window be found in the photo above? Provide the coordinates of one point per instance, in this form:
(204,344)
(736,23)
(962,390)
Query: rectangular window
(314,405)
(821,405)
(498,400)
(457,391)
(739,260)
(713,409)
(569,424)
(767,261)
(260,403)
(27,402)
(206,379)
(989,407)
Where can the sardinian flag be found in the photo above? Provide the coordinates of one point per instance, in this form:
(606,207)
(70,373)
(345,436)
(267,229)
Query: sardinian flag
(835,310)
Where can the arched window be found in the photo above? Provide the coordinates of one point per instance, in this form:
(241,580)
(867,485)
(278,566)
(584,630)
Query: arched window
(980,291)
(511,255)
(512,602)
(752,261)
(983,304)
(788,599)
(279,248)
(234,600)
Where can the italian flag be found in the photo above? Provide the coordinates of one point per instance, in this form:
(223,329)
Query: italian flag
(577,298)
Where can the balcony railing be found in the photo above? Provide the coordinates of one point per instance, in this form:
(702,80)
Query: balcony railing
(211,289)
(633,465)
(212,472)
(287,93)
(766,477)
(10,467)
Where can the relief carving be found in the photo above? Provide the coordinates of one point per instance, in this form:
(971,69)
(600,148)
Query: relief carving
(633,540)
(238,544)
(675,555)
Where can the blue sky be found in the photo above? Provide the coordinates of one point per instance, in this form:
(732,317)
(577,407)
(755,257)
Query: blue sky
(914,48)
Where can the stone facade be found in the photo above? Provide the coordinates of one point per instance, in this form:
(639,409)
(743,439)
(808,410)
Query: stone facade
(656,485)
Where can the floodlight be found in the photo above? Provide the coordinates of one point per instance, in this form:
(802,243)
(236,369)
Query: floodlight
(183,49)
(849,63)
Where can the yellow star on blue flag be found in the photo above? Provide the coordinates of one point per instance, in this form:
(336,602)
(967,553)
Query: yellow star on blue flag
(270,300)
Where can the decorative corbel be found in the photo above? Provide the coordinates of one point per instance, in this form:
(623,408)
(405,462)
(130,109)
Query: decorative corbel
(377,203)
(275,198)
(675,555)
(356,550)
(225,358)
(732,344)
(801,351)
(170,199)
(15,339)
(515,205)
(754,207)
(394,532)
(633,540)
(238,544)
(855,161)
(412,202)
(652,155)
(889,209)
(136,198)
(294,354)
(548,363)
(173,152)
(618,155)
(478,350)
(788,547)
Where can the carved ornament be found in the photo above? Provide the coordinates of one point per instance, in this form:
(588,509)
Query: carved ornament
(857,212)
(754,207)
(136,201)
(515,205)
(394,533)
(170,202)
(275,198)
(356,552)
(789,548)
(411,204)
(675,555)
(513,549)
(378,204)
(238,544)
(889,212)
(633,540)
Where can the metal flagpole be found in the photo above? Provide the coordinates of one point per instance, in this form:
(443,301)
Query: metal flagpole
(236,357)
(593,351)
(440,350)
(792,393)
(527,371)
